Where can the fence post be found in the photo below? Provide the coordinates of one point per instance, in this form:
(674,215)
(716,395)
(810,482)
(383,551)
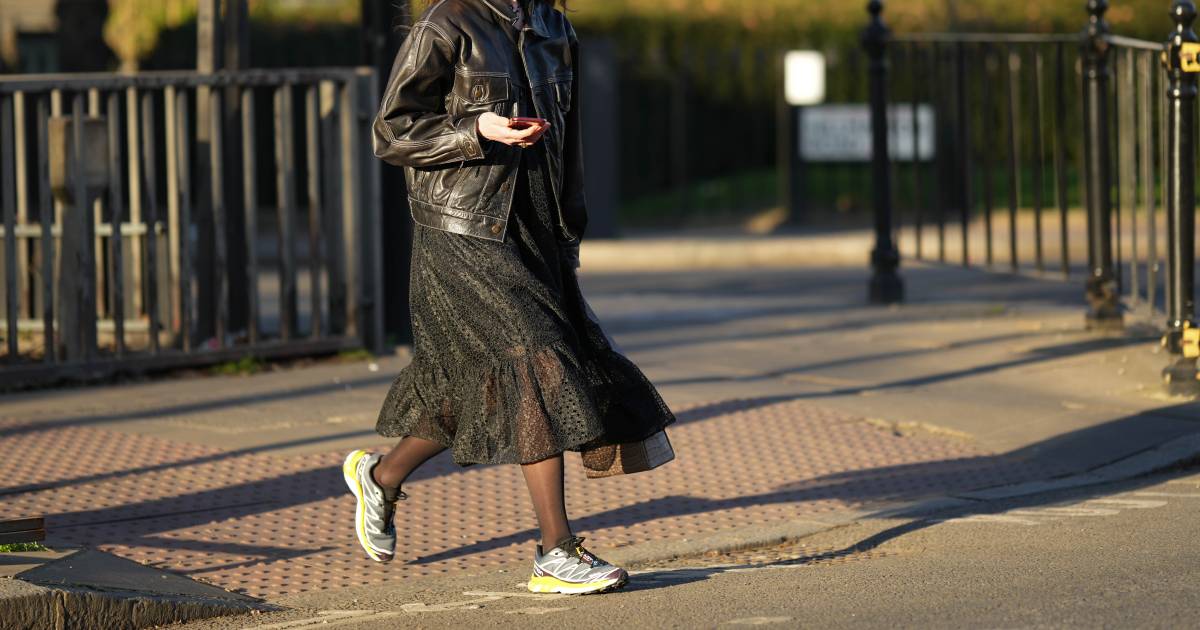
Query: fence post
(78,168)
(1182,339)
(362,210)
(1104,310)
(886,285)
(372,208)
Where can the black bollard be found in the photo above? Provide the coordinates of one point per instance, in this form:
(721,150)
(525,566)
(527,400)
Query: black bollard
(886,285)
(1104,308)
(1180,339)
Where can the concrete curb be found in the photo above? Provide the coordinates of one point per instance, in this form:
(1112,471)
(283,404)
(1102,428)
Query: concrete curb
(87,588)
(1166,455)
(74,607)
(837,249)
(1170,454)
(727,541)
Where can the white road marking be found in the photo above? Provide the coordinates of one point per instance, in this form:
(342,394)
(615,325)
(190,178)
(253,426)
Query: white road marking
(1090,507)
(376,617)
(481,597)
(534,610)
(759,621)
(538,596)
(327,618)
(672,575)
(469,604)
(993,518)
(1133,504)
(1070,510)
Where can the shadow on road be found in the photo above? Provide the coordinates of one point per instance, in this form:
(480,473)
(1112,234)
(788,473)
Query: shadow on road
(142,520)
(994,507)
(1044,460)
(695,569)
(141,523)
(215,403)
(1036,355)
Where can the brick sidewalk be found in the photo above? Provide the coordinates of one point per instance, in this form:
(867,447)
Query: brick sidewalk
(270,525)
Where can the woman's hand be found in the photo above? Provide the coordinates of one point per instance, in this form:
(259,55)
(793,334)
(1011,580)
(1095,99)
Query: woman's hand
(500,129)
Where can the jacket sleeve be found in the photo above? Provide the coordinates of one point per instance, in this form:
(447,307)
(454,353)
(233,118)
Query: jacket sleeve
(573,199)
(412,127)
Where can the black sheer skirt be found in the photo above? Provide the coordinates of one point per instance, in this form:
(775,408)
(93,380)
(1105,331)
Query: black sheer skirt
(507,365)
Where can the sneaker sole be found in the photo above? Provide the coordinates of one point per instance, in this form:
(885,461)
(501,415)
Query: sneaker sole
(548,584)
(349,468)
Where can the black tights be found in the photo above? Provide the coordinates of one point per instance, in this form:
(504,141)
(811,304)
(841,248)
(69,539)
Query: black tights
(400,462)
(544,479)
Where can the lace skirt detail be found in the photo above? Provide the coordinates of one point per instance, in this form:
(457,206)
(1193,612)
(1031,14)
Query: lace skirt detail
(507,366)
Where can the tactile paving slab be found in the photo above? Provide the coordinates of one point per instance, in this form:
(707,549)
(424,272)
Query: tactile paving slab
(269,525)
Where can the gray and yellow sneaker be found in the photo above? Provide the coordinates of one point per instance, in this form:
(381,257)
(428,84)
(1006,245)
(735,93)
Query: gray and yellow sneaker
(572,570)
(373,516)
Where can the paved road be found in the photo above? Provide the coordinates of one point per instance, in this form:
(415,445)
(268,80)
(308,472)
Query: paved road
(1117,556)
(797,402)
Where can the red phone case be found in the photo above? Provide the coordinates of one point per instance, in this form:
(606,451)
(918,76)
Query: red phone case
(521,122)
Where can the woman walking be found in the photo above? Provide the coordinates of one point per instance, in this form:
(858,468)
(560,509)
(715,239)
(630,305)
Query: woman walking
(509,367)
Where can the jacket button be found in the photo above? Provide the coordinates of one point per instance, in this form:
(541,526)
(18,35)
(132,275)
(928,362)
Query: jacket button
(477,92)
(495,228)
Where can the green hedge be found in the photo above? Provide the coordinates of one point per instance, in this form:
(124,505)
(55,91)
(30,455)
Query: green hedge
(727,53)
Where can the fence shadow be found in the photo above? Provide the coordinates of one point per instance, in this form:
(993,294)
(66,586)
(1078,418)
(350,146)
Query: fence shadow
(143,523)
(865,487)
(909,522)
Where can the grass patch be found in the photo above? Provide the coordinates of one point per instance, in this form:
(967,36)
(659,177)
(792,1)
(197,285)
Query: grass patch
(355,355)
(726,199)
(243,367)
(30,546)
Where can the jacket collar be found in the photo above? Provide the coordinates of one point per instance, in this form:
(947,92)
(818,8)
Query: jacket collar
(536,15)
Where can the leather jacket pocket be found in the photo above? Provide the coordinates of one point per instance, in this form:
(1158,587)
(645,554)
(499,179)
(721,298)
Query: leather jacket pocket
(481,92)
(435,186)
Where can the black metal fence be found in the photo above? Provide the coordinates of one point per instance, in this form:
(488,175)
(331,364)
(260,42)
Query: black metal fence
(710,132)
(1004,123)
(127,200)
(679,170)
(1068,155)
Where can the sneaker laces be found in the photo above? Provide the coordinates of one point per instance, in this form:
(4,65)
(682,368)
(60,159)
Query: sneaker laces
(574,547)
(389,511)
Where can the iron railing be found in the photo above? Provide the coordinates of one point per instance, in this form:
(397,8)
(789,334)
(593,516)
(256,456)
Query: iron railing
(226,199)
(1068,155)
(997,102)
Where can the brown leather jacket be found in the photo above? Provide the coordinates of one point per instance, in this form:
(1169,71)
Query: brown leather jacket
(458,62)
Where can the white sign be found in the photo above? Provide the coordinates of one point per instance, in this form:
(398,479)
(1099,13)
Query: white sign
(804,77)
(842,133)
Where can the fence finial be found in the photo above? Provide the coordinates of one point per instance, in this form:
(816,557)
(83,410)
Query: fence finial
(1097,27)
(874,36)
(1183,13)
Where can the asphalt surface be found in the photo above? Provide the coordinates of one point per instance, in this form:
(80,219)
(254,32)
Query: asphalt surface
(1122,556)
(999,362)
